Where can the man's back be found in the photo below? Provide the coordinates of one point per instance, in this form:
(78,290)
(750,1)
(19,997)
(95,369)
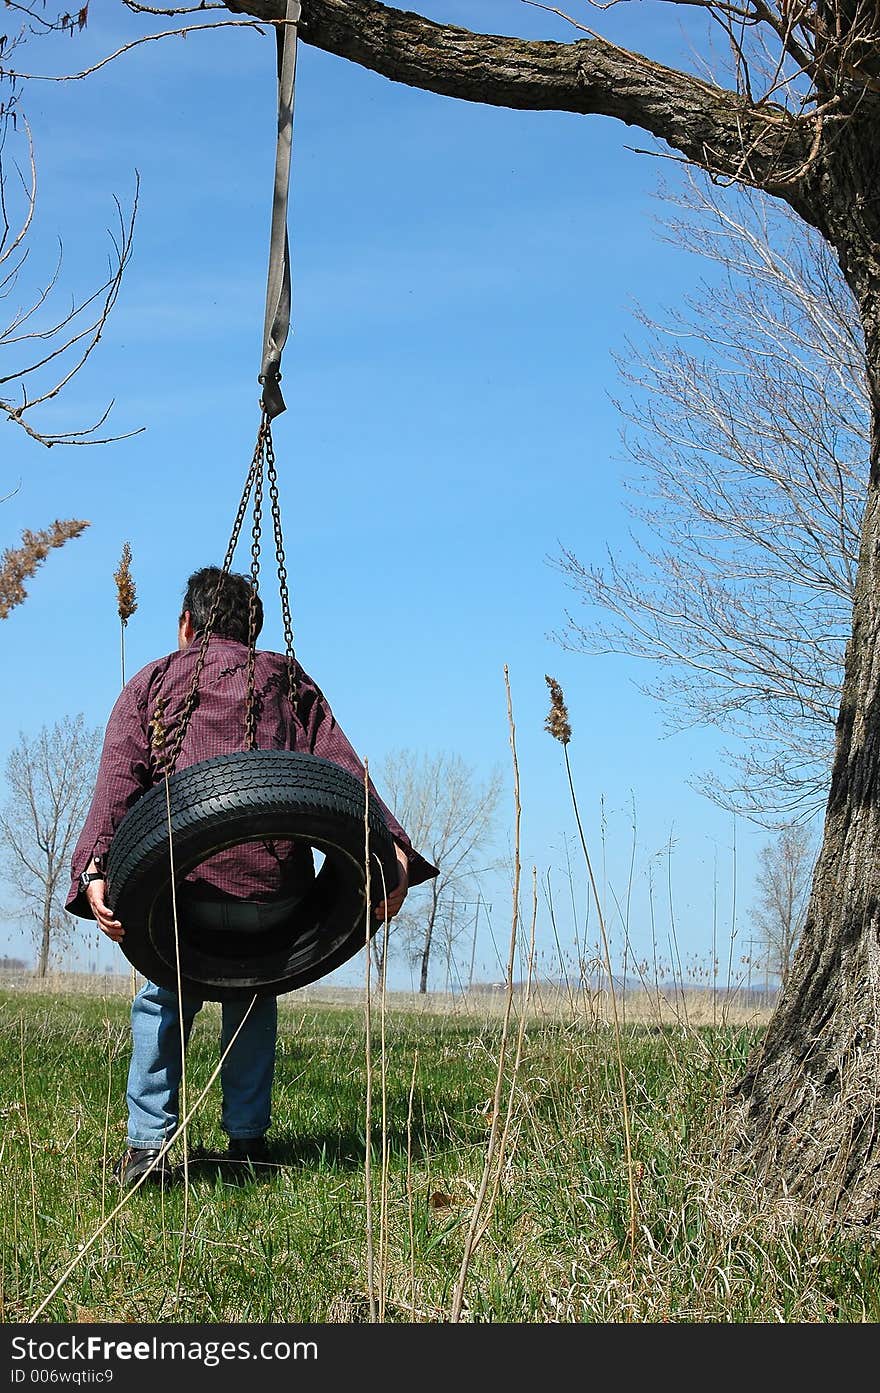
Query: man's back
(141,734)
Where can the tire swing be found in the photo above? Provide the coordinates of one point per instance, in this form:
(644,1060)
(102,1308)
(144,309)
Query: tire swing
(232,950)
(259,948)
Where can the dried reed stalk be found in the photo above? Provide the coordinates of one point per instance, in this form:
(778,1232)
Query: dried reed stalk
(517,1060)
(383,1081)
(559,726)
(30,1142)
(368,1058)
(182,1029)
(106,1120)
(471,1236)
(409,1191)
(126,604)
(160,1157)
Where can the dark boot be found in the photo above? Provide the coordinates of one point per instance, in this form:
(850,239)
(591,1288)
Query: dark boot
(139,1161)
(247,1151)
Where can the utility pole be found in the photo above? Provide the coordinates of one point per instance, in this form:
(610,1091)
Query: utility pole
(449,933)
(474,942)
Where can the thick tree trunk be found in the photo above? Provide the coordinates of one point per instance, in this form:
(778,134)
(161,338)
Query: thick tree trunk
(812,1092)
(806,1112)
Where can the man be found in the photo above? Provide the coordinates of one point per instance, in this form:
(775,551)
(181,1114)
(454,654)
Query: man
(140,732)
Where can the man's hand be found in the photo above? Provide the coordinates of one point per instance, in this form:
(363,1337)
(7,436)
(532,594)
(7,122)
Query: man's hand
(106,920)
(388,908)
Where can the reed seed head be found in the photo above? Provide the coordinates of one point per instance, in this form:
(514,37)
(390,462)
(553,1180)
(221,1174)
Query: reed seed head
(557,722)
(18,564)
(126,591)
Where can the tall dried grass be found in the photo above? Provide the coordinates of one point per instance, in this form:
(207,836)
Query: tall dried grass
(18,564)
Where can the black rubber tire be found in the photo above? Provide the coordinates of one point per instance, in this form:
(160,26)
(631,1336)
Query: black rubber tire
(249,796)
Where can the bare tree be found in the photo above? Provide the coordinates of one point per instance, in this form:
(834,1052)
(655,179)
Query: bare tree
(750,421)
(798,117)
(449,814)
(50,781)
(785,867)
(42,348)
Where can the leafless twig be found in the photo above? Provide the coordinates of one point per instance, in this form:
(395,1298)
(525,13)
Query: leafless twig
(17,76)
(67,342)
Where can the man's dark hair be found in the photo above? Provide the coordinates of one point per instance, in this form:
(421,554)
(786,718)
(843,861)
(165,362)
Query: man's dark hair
(231,619)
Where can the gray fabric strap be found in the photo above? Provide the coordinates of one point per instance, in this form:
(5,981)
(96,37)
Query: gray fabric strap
(277,322)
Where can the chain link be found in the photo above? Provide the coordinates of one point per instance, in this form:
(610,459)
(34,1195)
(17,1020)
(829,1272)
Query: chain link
(272,477)
(256,469)
(264,455)
(250,742)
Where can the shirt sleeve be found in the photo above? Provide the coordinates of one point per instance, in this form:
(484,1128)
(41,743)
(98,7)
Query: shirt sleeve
(326,738)
(123,776)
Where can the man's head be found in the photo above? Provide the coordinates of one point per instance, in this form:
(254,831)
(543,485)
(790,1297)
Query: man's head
(231,620)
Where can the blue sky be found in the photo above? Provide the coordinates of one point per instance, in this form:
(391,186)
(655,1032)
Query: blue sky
(462,277)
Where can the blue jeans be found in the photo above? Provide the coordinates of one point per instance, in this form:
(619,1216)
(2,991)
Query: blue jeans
(155,1070)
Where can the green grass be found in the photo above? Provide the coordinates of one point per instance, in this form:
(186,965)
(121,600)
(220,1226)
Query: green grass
(292,1247)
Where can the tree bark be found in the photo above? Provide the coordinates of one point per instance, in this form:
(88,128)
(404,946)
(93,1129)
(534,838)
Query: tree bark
(45,938)
(429,939)
(804,1116)
(806,1109)
(757,143)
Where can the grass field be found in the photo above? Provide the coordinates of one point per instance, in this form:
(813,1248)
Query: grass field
(292,1244)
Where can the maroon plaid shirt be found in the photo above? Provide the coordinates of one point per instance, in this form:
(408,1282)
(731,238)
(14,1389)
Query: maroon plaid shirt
(131,763)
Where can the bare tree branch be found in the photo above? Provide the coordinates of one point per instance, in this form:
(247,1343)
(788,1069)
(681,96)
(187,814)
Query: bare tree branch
(182,32)
(750,421)
(716,128)
(170,13)
(66,341)
(71,339)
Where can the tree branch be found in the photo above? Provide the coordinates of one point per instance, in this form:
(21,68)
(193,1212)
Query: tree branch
(757,144)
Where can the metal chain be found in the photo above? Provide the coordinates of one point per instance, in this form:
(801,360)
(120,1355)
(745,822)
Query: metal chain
(256,532)
(189,704)
(264,454)
(272,476)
